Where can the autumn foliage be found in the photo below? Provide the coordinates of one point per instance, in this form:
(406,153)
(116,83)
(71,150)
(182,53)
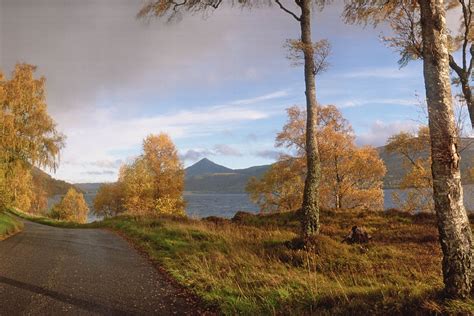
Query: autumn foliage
(351,177)
(109,200)
(28,137)
(152,184)
(72,208)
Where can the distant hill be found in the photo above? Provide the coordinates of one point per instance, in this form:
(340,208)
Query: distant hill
(51,185)
(88,188)
(395,169)
(207,176)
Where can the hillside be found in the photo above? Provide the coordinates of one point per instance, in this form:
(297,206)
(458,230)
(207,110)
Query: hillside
(51,185)
(207,176)
(395,169)
(88,188)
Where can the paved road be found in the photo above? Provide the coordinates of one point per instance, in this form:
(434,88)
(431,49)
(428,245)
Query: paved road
(48,271)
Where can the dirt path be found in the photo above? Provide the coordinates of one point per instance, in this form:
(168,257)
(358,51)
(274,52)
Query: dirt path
(48,271)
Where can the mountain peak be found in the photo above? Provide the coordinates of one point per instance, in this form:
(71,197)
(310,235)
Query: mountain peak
(205,166)
(204,160)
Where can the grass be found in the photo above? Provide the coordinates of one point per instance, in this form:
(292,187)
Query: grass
(247,266)
(9,225)
(52,222)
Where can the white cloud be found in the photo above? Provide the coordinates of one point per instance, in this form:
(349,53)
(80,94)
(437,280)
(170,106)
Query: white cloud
(380,101)
(268,154)
(380,73)
(226,150)
(270,96)
(379,132)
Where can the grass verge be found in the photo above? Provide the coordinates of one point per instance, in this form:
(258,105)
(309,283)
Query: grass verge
(52,222)
(9,225)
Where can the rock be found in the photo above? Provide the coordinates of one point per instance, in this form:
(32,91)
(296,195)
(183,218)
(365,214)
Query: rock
(241,216)
(357,236)
(216,220)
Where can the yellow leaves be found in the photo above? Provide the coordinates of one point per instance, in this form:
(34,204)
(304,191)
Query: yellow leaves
(72,207)
(417,181)
(28,137)
(27,131)
(152,184)
(170,206)
(109,200)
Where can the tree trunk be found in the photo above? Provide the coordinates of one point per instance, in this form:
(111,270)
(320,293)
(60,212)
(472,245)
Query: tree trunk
(310,208)
(453,224)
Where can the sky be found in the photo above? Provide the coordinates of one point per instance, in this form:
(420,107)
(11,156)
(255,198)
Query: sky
(218,85)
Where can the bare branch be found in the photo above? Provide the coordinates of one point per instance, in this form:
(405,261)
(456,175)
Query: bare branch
(297,18)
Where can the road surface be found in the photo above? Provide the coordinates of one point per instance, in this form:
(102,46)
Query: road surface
(48,271)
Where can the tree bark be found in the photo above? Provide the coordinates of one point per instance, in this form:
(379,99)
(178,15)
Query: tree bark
(467,92)
(453,225)
(310,207)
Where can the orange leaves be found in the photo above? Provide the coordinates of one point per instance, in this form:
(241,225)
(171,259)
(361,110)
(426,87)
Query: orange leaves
(351,177)
(417,181)
(72,207)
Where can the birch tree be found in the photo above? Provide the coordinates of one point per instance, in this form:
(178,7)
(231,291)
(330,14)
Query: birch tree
(453,224)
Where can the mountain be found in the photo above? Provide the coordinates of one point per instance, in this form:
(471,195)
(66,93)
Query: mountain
(207,176)
(205,166)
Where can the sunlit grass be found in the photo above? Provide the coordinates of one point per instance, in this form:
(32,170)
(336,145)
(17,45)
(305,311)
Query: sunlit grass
(9,225)
(248,268)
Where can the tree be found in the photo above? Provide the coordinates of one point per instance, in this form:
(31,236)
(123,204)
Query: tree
(405,19)
(417,183)
(171,9)
(109,200)
(154,182)
(453,224)
(351,177)
(281,187)
(168,173)
(137,182)
(72,207)
(28,135)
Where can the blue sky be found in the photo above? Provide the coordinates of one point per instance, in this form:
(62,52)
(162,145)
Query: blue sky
(218,86)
